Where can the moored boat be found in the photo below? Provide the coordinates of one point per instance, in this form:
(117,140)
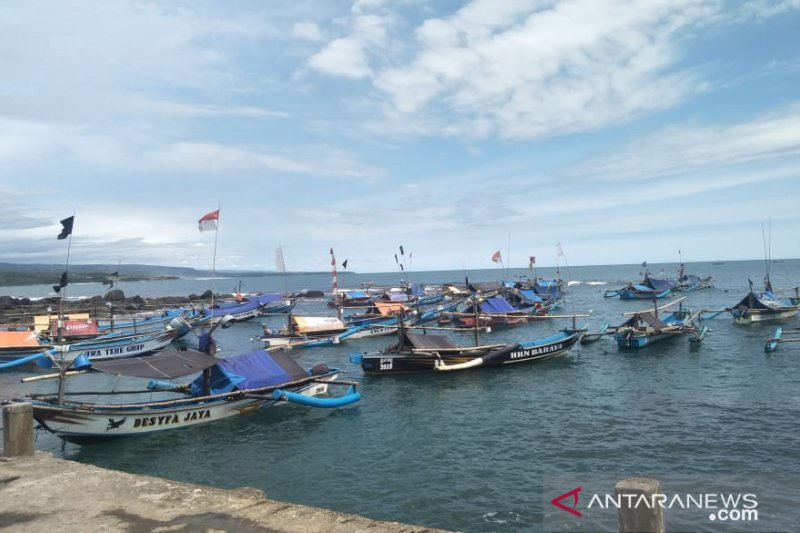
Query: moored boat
(416,352)
(226,387)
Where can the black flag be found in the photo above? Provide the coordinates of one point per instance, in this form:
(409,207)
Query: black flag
(66,229)
(111,279)
(344,263)
(61,283)
(401,250)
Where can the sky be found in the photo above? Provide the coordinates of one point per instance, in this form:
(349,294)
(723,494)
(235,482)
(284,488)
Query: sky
(575,131)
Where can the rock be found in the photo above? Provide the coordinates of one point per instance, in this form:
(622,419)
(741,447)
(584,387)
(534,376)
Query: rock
(114,295)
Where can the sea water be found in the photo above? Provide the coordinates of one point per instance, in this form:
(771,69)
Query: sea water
(478,450)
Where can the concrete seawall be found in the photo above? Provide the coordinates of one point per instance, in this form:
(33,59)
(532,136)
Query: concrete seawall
(40,493)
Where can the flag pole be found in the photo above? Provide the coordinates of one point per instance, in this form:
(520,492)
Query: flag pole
(63,290)
(508,256)
(60,321)
(214,260)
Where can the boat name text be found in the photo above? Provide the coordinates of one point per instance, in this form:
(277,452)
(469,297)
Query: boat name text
(164,420)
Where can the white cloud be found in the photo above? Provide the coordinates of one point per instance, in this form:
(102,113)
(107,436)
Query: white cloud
(342,57)
(348,56)
(559,68)
(308,31)
(691,147)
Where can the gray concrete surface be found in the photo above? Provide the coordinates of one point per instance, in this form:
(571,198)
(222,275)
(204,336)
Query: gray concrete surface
(40,493)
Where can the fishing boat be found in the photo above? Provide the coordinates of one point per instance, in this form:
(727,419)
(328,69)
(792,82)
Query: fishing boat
(240,310)
(224,388)
(274,304)
(379,311)
(689,282)
(649,289)
(19,343)
(104,348)
(304,331)
(766,306)
(416,352)
(644,328)
(492,311)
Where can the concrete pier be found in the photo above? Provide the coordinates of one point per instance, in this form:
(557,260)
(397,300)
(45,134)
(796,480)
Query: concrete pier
(18,430)
(41,493)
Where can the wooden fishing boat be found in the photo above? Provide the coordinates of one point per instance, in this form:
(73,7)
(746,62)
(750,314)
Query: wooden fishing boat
(644,328)
(493,311)
(416,352)
(225,388)
(240,310)
(112,346)
(639,291)
(760,307)
(304,331)
(351,298)
(21,343)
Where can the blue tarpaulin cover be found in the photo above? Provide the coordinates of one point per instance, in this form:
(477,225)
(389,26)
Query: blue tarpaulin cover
(658,284)
(356,294)
(529,295)
(251,371)
(547,288)
(496,304)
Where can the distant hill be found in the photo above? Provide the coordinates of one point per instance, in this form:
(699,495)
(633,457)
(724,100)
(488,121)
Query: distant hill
(13,274)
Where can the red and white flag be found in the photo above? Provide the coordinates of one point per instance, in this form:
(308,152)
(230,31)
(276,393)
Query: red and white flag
(208,222)
(496,257)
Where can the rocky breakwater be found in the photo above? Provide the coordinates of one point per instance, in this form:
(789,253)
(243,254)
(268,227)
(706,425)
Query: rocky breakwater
(20,311)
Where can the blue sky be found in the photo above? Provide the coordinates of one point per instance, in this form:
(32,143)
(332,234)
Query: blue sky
(625,131)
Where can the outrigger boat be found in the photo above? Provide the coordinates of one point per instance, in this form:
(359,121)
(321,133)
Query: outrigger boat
(224,388)
(415,352)
(766,307)
(111,346)
(646,327)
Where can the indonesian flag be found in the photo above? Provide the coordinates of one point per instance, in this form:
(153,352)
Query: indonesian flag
(496,257)
(208,222)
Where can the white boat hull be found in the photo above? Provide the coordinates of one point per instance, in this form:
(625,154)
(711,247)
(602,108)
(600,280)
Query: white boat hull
(81,424)
(117,349)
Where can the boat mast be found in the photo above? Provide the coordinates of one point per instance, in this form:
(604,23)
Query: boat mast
(767,253)
(66,232)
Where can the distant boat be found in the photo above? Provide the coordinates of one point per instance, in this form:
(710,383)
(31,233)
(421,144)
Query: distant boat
(649,289)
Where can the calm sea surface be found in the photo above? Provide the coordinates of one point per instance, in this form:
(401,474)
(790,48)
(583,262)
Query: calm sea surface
(472,451)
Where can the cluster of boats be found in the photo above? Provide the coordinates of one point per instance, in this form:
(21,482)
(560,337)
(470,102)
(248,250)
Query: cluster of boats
(418,316)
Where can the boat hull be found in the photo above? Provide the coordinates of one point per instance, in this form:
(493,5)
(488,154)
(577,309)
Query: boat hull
(83,425)
(388,363)
(754,316)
